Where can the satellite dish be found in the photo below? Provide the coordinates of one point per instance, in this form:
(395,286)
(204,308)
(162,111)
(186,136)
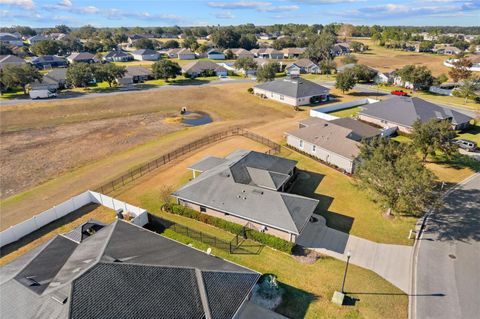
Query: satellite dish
(209,251)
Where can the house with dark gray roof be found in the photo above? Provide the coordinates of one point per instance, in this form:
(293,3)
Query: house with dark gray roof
(121,270)
(36,39)
(10,38)
(335,142)
(117,56)
(48,62)
(402,112)
(248,187)
(135,74)
(204,67)
(293,91)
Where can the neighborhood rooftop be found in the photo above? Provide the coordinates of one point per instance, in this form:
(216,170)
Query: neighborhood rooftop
(406,110)
(245,184)
(294,87)
(99,274)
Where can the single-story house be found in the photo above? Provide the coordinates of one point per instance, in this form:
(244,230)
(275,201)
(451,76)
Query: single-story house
(85,57)
(36,38)
(146,55)
(134,37)
(248,187)
(56,35)
(54,80)
(292,53)
(173,53)
(118,56)
(204,67)
(335,142)
(302,66)
(122,270)
(215,55)
(267,53)
(341,48)
(402,112)
(384,78)
(12,39)
(49,61)
(241,53)
(10,60)
(446,49)
(294,91)
(135,74)
(186,54)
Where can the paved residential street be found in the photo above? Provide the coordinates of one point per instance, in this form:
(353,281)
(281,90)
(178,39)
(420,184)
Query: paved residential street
(448,263)
(392,262)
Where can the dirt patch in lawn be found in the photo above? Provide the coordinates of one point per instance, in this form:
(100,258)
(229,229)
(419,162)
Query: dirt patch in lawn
(30,157)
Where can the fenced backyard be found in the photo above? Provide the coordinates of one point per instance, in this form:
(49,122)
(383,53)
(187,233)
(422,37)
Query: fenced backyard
(145,168)
(238,244)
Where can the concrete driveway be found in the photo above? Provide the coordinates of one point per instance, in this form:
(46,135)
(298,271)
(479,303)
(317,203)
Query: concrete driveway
(392,262)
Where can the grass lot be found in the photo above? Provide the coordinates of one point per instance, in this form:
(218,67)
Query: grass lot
(62,225)
(472,134)
(442,99)
(13,94)
(319,77)
(346,112)
(384,59)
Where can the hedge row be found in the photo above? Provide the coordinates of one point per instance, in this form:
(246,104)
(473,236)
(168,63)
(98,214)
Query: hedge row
(263,238)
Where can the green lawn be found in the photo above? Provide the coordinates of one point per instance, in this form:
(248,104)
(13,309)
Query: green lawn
(346,112)
(308,287)
(319,77)
(473,134)
(345,206)
(13,94)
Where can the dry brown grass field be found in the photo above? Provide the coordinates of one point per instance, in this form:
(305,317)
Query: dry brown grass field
(384,59)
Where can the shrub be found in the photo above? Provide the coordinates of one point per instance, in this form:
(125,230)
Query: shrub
(266,239)
(250,90)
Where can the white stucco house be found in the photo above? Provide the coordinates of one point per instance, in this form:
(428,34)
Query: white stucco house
(294,91)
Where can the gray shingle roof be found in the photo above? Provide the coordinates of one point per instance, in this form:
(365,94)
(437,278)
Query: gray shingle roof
(302,63)
(144,52)
(121,271)
(245,186)
(137,71)
(201,66)
(295,87)
(116,53)
(406,110)
(207,163)
(81,56)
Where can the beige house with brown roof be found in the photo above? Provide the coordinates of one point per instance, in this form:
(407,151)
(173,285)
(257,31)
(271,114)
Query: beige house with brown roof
(335,142)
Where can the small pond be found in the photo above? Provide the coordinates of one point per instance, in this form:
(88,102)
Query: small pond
(196,118)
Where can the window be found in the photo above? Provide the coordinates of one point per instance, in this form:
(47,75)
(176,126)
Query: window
(314,148)
(203,209)
(282,97)
(301,144)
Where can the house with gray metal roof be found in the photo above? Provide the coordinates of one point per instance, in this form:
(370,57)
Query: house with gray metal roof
(402,112)
(336,142)
(248,187)
(294,91)
(121,270)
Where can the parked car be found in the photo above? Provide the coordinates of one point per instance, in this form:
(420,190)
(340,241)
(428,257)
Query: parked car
(399,93)
(466,145)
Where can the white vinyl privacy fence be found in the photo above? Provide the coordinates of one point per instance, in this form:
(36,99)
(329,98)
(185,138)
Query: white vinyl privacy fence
(14,233)
(322,112)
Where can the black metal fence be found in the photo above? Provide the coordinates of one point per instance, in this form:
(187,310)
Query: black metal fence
(235,246)
(143,169)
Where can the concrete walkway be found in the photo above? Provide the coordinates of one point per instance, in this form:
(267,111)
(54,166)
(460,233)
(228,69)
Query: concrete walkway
(392,262)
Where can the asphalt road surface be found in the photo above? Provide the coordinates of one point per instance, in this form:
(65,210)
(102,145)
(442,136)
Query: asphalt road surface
(448,264)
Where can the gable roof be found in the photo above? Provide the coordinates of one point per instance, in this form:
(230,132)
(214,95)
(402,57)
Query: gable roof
(116,53)
(123,271)
(294,87)
(5,59)
(4,36)
(47,59)
(293,50)
(202,65)
(213,51)
(302,63)
(185,51)
(137,71)
(245,185)
(406,110)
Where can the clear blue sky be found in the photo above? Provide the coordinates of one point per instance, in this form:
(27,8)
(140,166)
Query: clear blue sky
(45,13)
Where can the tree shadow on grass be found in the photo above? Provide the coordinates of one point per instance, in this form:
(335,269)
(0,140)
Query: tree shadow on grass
(189,82)
(306,184)
(7,249)
(458,161)
(295,302)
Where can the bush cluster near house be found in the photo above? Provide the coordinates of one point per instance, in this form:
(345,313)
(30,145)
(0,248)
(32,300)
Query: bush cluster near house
(266,239)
